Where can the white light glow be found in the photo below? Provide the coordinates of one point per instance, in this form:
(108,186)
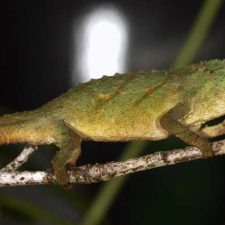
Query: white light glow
(102,44)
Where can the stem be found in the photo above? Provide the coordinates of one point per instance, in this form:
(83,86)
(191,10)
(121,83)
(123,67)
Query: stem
(198,32)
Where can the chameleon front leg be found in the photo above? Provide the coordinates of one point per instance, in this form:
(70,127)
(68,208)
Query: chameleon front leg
(69,152)
(171,123)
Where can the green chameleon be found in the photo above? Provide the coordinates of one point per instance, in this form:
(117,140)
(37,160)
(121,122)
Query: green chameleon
(134,106)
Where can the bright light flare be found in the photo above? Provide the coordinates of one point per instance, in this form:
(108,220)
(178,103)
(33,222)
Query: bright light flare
(101,44)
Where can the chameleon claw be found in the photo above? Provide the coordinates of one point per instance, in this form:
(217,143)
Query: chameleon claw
(207,152)
(62,176)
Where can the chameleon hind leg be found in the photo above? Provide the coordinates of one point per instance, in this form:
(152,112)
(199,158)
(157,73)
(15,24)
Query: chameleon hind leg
(171,123)
(70,148)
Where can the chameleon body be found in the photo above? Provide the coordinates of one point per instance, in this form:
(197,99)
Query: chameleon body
(134,106)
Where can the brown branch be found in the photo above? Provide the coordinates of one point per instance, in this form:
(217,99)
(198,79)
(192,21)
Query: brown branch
(102,172)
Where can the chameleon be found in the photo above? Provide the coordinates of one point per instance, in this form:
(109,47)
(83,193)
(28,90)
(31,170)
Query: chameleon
(144,105)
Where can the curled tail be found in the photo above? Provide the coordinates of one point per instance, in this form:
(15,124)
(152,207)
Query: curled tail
(24,127)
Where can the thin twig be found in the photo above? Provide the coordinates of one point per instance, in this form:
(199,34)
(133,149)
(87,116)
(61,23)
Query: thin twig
(102,172)
(20,159)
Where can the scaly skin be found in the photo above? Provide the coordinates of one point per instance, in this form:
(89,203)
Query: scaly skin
(135,106)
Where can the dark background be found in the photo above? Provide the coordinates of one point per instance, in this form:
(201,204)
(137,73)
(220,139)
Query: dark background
(36,56)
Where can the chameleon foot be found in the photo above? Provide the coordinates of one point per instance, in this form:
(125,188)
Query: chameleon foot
(207,151)
(67,156)
(62,176)
(171,123)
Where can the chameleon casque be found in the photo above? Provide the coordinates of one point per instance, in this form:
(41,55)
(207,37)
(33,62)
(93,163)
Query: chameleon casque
(134,106)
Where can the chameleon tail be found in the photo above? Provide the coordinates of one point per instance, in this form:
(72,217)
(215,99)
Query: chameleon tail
(24,127)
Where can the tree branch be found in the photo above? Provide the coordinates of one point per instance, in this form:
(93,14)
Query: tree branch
(102,172)
(20,159)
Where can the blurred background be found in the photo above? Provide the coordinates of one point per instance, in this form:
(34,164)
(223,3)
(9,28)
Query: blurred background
(49,46)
